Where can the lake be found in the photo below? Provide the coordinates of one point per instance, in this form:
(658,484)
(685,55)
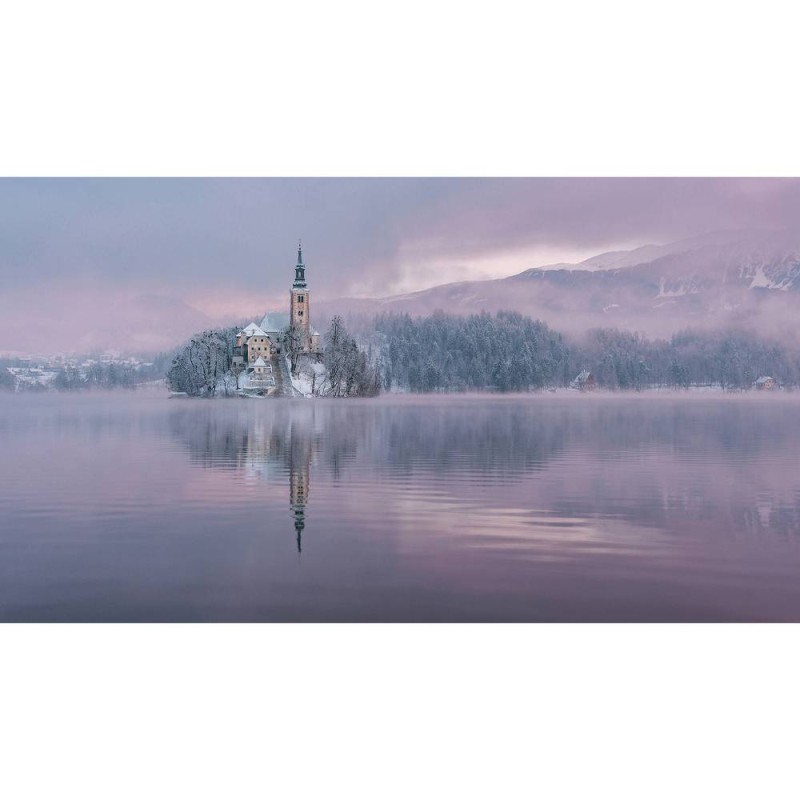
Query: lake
(564,507)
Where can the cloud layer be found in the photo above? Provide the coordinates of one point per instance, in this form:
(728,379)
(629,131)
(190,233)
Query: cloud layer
(225,247)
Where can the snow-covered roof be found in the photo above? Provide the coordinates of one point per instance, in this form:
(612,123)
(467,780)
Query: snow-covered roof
(250,328)
(314,331)
(764,379)
(254,331)
(259,362)
(275,322)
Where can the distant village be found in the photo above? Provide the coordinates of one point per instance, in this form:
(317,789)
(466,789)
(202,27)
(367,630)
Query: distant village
(37,373)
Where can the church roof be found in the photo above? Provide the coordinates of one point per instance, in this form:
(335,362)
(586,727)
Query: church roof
(275,322)
(253,330)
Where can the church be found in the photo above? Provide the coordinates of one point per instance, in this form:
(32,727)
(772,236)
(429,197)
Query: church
(267,338)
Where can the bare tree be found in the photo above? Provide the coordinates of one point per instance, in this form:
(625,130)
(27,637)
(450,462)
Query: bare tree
(294,342)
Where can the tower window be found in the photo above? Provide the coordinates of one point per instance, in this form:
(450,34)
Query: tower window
(300,313)
(301,298)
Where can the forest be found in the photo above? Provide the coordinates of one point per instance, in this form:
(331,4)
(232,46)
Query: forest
(509,352)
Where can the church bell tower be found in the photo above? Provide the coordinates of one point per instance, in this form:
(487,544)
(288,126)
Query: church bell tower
(299,307)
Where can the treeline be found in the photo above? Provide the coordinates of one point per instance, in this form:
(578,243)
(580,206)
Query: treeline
(110,375)
(510,352)
(99,375)
(96,376)
(732,360)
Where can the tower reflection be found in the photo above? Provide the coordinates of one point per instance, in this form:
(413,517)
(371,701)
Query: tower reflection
(278,446)
(299,477)
(264,447)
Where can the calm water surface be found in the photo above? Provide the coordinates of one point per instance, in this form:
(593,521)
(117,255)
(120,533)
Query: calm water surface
(556,507)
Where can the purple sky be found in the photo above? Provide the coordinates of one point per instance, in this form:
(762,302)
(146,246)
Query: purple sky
(153,258)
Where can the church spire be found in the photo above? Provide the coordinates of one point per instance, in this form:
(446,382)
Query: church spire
(299,270)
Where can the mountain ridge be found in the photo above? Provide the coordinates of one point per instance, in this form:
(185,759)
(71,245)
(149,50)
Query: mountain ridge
(717,279)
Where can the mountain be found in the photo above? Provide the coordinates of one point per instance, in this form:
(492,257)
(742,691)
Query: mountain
(722,279)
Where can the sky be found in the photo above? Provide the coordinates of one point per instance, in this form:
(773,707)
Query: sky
(147,258)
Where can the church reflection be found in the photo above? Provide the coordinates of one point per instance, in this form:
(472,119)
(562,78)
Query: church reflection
(280,448)
(299,479)
(298,496)
(263,449)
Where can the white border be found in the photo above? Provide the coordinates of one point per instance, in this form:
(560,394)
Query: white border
(419,88)
(161,87)
(617,711)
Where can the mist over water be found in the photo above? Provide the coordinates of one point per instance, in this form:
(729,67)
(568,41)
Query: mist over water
(536,507)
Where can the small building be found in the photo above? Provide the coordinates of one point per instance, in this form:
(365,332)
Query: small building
(765,383)
(261,368)
(260,375)
(252,343)
(258,346)
(584,382)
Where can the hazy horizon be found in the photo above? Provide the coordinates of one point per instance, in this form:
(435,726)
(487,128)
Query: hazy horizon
(153,260)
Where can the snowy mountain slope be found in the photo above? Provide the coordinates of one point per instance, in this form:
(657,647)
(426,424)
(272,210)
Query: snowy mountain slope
(721,279)
(618,259)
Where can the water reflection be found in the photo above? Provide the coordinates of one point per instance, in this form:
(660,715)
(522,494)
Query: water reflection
(299,479)
(271,449)
(665,466)
(533,508)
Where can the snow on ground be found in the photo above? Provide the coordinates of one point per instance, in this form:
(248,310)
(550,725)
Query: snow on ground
(760,280)
(310,377)
(681,291)
(302,384)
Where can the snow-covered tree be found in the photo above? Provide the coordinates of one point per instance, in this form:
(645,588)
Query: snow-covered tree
(348,371)
(202,367)
(7,380)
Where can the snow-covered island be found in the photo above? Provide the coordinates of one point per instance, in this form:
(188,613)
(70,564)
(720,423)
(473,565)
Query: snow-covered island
(280,356)
(211,365)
